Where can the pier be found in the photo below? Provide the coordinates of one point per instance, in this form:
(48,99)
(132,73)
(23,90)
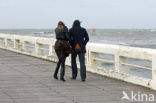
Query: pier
(27,65)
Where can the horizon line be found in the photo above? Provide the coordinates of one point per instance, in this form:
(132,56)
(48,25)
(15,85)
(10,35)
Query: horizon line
(54,28)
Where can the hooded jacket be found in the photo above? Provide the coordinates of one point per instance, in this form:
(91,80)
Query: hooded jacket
(78,35)
(62,34)
(62,46)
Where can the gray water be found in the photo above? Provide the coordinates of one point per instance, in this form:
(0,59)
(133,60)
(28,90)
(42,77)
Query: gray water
(130,37)
(144,38)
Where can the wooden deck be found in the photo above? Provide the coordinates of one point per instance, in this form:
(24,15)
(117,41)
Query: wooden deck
(25,79)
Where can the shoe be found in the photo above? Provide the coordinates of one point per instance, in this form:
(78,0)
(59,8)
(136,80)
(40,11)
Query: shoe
(74,78)
(62,79)
(55,77)
(83,80)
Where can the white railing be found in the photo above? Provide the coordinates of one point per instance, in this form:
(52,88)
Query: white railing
(110,60)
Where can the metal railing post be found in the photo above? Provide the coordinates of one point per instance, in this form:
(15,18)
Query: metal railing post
(88,57)
(16,44)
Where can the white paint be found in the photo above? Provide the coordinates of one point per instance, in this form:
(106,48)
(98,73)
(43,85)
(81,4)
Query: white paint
(93,52)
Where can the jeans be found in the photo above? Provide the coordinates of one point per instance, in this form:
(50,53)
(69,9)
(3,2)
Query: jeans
(82,65)
(62,63)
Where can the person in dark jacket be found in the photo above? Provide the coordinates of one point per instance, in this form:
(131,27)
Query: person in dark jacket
(62,48)
(78,40)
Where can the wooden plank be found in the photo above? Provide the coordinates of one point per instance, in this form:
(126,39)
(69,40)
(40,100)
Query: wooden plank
(25,79)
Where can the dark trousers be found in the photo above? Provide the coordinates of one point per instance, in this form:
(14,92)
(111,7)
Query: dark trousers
(62,63)
(82,65)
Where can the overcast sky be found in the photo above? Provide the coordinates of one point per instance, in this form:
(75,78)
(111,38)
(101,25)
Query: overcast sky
(92,13)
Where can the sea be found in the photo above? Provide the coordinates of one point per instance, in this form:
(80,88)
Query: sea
(142,38)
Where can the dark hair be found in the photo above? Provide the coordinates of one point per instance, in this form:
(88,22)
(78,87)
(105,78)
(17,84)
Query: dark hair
(60,23)
(76,23)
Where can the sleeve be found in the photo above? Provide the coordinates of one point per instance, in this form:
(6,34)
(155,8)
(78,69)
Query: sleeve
(56,33)
(86,36)
(70,35)
(67,34)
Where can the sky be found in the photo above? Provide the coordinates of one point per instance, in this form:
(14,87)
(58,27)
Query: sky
(37,14)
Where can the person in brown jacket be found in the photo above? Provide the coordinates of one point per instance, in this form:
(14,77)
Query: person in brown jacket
(62,48)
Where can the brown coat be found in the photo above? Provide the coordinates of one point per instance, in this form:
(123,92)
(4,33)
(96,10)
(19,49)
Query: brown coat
(62,48)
